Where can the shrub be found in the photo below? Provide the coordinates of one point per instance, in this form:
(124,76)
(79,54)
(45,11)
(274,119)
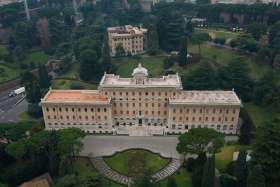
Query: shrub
(77,86)
(220,41)
(35,110)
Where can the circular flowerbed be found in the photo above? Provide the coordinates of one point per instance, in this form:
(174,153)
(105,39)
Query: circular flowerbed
(135,162)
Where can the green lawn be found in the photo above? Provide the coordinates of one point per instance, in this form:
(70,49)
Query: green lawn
(223,56)
(135,162)
(68,84)
(182,178)
(223,158)
(8,73)
(125,65)
(221,33)
(37,58)
(260,115)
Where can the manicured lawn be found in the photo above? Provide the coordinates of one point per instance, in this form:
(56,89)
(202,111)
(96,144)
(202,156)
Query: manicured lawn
(72,72)
(135,162)
(223,158)
(67,84)
(83,167)
(260,115)
(8,73)
(182,178)
(223,56)
(125,65)
(37,58)
(218,33)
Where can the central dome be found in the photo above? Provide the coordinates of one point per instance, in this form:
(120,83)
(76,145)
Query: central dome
(140,71)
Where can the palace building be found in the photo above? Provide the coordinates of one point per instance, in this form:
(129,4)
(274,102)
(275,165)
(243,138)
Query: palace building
(141,106)
(131,39)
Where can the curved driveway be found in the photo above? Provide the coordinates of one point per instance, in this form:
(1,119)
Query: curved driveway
(98,146)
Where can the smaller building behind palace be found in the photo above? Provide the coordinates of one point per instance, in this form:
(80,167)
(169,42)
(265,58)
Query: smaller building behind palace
(131,39)
(141,106)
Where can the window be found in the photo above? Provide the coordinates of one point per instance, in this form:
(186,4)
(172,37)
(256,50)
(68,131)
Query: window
(73,110)
(206,119)
(173,126)
(194,110)
(186,127)
(59,109)
(147,94)
(66,109)
(92,109)
(105,110)
(53,109)
(233,111)
(49,117)
(67,117)
(86,117)
(80,117)
(85,109)
(47,109)
(227,111)
(232,119)
(200,111)
(213,118)
(61,117)
(98,109)
(174,110)
(79,110)
(214,110)
(74,117)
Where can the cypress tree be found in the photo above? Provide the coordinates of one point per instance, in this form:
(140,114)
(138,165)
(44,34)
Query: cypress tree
(240,170)
(208,173)
(256,177)
(44,78)
(183,52)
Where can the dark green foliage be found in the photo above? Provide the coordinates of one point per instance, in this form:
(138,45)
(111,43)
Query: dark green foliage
(208,176)
(44,151)
(247,128)
(265,91)
(144,181)
(171,182)
(168,63)
(35,110)
(170,28)
(257,30)
(235,75)
(256,177)
(44,78)
(81,181)
(202,78)
(14,131)
(230,168)
(198,170)
(240,170)
(32,87)
(220,41)
(152,38)
(120,51)
(196,141)
(246,42)
(228,181)
(183,60)
(266,152)
(90,68)
(106,58)
(190,164)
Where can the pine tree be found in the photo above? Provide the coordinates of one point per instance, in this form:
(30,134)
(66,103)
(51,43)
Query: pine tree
(183,52)
(208,173)
(256,177)
(44,78)
(106,58)
(171,182)
(240,170)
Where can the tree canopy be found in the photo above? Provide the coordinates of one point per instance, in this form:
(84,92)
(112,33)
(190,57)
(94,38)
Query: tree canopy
(200,140)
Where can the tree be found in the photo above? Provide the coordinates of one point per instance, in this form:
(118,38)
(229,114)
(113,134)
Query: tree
(171,182)
(208,173)
(120,51)
(152,38)
(44,78)
(228,181)
(44,33)
(32,87)
(257,29)
(266,152)
(204,77)
(276,62)
(199,141)
(198,169)
(143,180)
(106,58)
(247,127)
(240,170)
(256,177)
(35,110)
(183,59)
(235,76)
(89,65)
(199,38)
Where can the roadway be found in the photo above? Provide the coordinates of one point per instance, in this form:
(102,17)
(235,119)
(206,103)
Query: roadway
(11,107)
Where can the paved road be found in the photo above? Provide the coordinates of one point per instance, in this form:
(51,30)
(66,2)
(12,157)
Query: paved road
(10,107)
(98,146)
